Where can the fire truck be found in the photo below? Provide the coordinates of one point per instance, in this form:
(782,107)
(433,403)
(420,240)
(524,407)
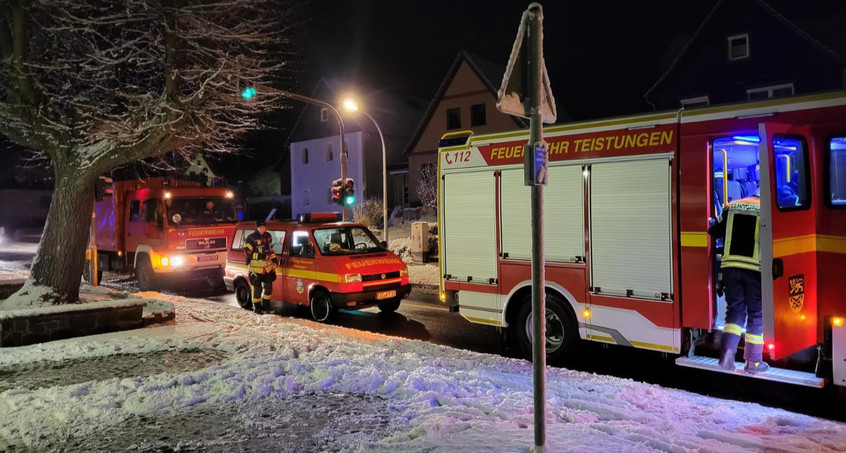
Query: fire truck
(163,228)
(626,213)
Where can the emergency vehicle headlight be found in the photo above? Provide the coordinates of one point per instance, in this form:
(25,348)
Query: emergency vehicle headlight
(165,261)
(404,272)
(352,278)
(177,261)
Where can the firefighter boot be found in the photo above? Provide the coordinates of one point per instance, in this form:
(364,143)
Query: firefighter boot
(257,306)
(753,354)
(728,349)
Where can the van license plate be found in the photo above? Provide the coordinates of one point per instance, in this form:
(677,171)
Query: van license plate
(207,258)
(386,295)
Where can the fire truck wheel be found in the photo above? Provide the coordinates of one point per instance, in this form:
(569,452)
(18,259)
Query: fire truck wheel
(242,295)
(389,307)
(561,329)
(144,275)
(86,273)
(321,307)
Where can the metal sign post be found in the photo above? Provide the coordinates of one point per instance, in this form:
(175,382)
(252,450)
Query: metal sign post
(526,92)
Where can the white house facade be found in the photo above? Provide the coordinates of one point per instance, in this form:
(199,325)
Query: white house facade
(315,163)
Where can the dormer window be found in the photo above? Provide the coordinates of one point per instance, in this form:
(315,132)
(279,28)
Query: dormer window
(324,114)
(738,47)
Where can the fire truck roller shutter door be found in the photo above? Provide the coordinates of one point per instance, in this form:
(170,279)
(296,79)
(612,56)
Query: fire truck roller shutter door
(470,226)
(564,240)
(630,228)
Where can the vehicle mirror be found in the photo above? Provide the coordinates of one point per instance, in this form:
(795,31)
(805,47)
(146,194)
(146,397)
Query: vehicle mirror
(384,244)
(176,218)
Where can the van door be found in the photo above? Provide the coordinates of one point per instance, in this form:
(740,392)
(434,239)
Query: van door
(298,271)
(278,245)
(788,240)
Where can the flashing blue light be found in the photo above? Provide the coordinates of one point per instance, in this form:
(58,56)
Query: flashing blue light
(240,216)
(747,138)
(248,93)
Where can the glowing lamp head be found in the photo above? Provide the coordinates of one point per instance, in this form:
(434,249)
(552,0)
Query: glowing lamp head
(350,105)
(587,313)
(837,322)
(230,194)
(167,195)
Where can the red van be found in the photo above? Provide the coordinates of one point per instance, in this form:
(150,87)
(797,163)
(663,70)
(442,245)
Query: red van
(323,265)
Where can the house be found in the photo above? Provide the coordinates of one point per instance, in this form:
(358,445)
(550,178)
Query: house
(747,50)
(466,100)
(314,146)
(199,170)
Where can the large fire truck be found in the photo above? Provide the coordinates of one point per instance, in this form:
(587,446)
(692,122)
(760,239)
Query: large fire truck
(164,228)
(626,213)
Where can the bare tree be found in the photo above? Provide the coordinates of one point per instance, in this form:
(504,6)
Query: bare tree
(427,188)
(96,84)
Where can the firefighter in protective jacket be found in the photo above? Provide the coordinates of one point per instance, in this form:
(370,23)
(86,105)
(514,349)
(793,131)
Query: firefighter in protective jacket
(262,264)
(741,272)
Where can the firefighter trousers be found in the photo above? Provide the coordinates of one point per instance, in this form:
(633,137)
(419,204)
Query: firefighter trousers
(262,301)
(743,307)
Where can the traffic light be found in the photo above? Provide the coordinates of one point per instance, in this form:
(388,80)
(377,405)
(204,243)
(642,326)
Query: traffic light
(336,191)
(248,93)
(102,188)
(349,192)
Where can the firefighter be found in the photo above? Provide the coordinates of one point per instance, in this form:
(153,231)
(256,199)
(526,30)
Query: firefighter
(262,264)
(741,277)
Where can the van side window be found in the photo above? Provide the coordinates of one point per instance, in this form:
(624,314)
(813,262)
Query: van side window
(238,240)
(837,171)
(278,240)
(300,245)
(134,209)
(791,173)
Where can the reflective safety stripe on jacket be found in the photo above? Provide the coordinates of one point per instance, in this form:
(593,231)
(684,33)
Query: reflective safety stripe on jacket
(742,248)
(259,251)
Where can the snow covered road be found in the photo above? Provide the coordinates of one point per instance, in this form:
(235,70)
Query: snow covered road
(223,379)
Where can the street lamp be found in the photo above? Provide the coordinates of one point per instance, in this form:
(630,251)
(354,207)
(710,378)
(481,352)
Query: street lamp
(350,105)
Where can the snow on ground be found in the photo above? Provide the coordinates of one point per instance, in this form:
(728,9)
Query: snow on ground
(223,379)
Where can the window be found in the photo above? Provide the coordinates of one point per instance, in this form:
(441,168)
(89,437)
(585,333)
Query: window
(701,101)
(774,91)
(278,238)
(134,209)
(477,115)
(330,153)
(238,239)
(151,208)
(791,173)
(301,246)
(738,47)
(837,171)
(305,156)
(324,114)
(453,118)
(306,201)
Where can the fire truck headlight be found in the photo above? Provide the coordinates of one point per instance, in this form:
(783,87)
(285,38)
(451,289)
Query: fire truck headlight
(404,272)
(165,261)
(177,261)
(352,278)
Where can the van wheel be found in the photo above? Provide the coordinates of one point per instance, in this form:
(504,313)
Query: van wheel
(321,307)
(86,273)
(144,275)
(242,295)
(562,333)
(389,307)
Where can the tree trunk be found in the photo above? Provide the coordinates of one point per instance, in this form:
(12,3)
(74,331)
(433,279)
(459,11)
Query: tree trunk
(61,252)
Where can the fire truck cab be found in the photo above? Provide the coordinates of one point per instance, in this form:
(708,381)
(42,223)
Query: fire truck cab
(324,264)
(626,213)
(163,228)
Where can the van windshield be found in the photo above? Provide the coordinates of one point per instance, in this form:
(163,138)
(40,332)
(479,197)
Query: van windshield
(346,240)
(201,210)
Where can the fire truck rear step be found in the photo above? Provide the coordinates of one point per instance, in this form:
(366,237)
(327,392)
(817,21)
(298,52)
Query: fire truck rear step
(773,374)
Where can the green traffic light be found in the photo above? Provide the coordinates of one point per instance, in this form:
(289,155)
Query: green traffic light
(248,93)
(349,200)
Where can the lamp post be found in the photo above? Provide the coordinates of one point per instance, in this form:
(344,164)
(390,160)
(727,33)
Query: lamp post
(351,106)
(250,92)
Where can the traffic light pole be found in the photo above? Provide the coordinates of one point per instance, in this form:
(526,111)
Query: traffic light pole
(288,94)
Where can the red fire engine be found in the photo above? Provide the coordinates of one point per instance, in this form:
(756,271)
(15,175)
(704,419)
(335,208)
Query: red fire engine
(162,227)
(628,257)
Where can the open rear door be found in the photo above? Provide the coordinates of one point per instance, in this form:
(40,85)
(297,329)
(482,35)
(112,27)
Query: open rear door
(787,239)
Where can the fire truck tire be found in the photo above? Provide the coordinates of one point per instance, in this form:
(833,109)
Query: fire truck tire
(242,295)
(389,307)
(562,332)
(86,273)
(144,275)
(321,307)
